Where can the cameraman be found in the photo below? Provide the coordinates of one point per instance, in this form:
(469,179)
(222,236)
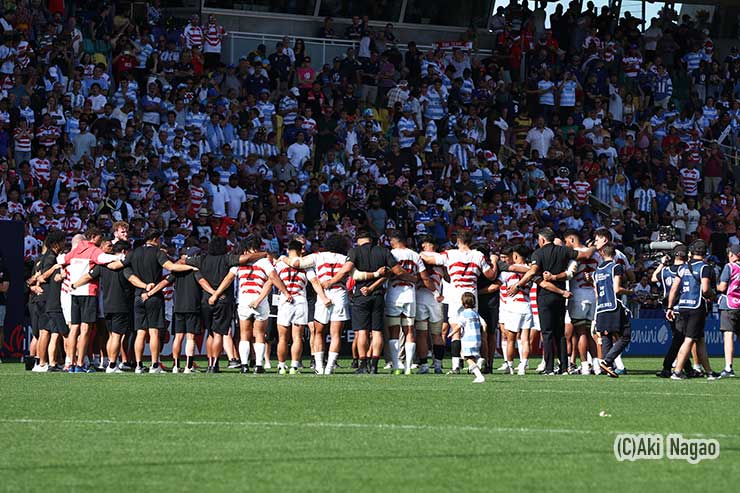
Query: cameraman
(664,276)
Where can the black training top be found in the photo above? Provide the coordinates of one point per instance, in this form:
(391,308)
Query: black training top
(553,259)
(213,268)
(369,258)
(44,263)
(187,292)
(118,293)
(146,262)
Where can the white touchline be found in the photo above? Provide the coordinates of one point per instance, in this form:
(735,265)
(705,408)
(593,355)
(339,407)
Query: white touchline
(320,424)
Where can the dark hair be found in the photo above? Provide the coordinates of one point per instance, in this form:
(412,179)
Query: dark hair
(251,243)
(152,234)
(465,237)
(55,237)
(507,250)
(121,246)
(295,245)
(92,232)
(336,243)
(572,232)
(604,233)
(398,236)
(217,246)
(468,300)
(522,250)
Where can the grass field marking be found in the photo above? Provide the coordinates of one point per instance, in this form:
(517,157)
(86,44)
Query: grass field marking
(319,424)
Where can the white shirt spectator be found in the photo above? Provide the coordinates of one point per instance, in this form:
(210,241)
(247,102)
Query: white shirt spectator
(540,139)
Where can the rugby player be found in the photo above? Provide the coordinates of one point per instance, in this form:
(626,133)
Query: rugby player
(463,265)
(255,280)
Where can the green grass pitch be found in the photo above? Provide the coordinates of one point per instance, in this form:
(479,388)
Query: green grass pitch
(233,432)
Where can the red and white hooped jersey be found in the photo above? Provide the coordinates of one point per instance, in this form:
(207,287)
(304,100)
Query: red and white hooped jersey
(295,280)
(464,267)
(579,283)
(436,274)
(327,264)
(582,190)
(518,303)
(213,35)
(400,291)
(252,278)
(193,36)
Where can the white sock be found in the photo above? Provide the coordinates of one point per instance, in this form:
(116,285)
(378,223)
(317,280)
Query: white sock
(319,361)
(393,347)
(504,347)
(332,359)
(455,363)
(281,364)
(697,367)
(293,363)
(410,352)
(589,358)
(244,347)
(481,362)
(510,363)
(67,360)
(259,353)
(618,364)
(523,362)
(476,371)
(584,365)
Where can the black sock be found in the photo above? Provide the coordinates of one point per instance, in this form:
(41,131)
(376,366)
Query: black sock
(112,365)
(374,362)
(188,362)
(176,362)
(155,365)
(36,361)
(423,361)
(363,362)
(139,365)
(439,351)
(455,348)
(215,362)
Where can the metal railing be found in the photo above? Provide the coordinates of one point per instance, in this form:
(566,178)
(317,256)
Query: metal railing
(322,50)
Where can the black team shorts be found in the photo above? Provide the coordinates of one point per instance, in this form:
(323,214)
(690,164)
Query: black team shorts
(218,318)
(149,314)
(186,323)
(84,310)
(39,318)
(368,312)
(690,323)
(120,323)
(57,324)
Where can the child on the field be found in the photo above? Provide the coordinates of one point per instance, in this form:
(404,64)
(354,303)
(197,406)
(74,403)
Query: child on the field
(470,326)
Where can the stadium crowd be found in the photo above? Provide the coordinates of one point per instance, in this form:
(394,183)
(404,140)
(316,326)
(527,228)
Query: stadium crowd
(140,130)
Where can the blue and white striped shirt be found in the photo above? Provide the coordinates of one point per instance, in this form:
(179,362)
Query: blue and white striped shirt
(434,110)
(568,93)
(430,132)
(406,125)
(196,119)
(291,106)
(268,111)
(546,98)
(693,60)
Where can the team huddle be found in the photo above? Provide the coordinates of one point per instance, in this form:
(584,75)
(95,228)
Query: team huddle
(98,302)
